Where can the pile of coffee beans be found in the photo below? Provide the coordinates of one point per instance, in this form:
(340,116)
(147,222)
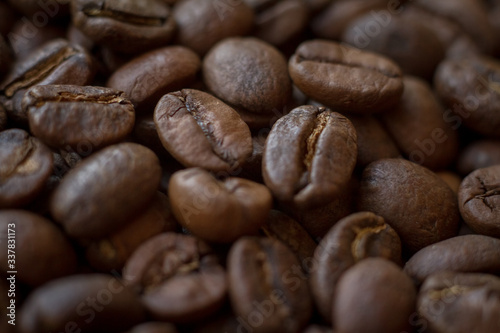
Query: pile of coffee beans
(249,166)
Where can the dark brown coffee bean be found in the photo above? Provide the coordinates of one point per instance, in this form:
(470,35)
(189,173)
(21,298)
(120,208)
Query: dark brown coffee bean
(178,277)
(267,288)
(123,176)
(40,251)
(25,165)
(146,134)
(147,78)
(76,36)
(56,62)
(419,128)
(153,327)
(352,239)
(469,15)
(309,156)
(374,296)
(477,155)
(479,200)
(290,232)
(331,22)
(201,23)
(460,303)
(248,74)
(471,88)
(62,115)
(125,26)
(218,210)
(469,253)
(409,42)
(374,142)
(84,303)
(252,169)
(111,252)
(345,78)
(283,21)
(199,130)
(412,199)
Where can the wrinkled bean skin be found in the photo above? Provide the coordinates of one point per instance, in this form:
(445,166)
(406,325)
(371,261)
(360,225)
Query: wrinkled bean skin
(168,266)
(260,274)
(200,130)
(352,239)
(64,116)
(466,303)
(314,171)
(468,254)
(218,211)
(412,199)
(345,78)
(479,201)
(76,203)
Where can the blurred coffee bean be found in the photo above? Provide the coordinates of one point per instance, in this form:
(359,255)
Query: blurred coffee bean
(25,37)
(477,155)
(25,165)
(219,211)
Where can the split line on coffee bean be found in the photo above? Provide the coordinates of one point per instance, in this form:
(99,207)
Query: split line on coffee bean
(11,273)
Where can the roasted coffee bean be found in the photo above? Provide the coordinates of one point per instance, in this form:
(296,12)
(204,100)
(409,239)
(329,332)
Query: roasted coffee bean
(331,22)
(471,88)
(111,252)
(374,142)
(375,295)
(282,22)
(199,130)
(218,210)
(125,26)
(153,327)
(345,78)
(412,199)
(460,303)
(147,78)
(477,155)
(469,15)
(202,23)
(407,41)
(468,253)
(290,232)
(451,179)
(5,55)
(479,200)
(419,128)
(56,62)
(352,239)
(42,252)
(178,277)
(62,115)
(86,302)
(25,165)
(123,176)
(309,156)
(265,278)
(248,74)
